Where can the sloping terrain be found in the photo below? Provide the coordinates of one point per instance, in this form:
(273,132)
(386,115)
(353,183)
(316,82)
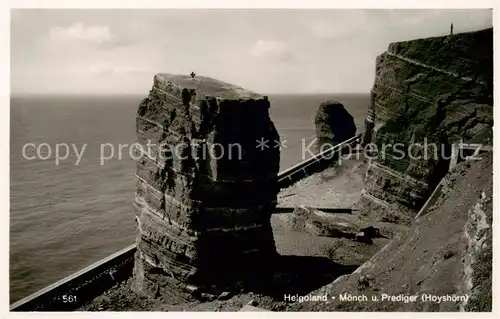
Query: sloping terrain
(446,253)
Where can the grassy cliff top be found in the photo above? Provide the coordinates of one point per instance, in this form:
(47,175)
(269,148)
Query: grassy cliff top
(206,86)
(468,54)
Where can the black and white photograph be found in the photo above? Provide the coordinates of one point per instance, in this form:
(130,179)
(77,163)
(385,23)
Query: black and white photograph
(250,159)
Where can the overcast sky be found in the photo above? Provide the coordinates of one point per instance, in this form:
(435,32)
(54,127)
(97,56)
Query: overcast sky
(268,51)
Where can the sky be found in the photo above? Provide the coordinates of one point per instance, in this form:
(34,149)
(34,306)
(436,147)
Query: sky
(118,51)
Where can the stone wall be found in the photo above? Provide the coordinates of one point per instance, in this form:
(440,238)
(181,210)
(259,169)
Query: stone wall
(435,91)
(205,192)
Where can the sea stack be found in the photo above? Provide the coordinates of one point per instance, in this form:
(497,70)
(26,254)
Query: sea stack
(333,124)
(206,188)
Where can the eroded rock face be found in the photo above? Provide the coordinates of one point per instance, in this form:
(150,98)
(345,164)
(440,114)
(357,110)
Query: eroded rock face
(333,124)
(434,91)
(205,192)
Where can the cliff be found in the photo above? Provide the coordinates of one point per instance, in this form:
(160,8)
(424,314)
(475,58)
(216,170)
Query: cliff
(434,92)
(205,192)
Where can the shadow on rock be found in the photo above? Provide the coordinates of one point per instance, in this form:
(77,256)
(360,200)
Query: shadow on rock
(303,274)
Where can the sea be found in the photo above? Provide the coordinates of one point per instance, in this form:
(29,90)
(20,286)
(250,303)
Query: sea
(66,214)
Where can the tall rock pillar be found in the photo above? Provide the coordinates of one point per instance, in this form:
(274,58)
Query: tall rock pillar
(205,190)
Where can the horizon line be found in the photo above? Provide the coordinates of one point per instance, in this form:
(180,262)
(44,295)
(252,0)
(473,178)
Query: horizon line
(137,94)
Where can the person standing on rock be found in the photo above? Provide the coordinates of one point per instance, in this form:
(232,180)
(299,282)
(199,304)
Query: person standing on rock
(451,29)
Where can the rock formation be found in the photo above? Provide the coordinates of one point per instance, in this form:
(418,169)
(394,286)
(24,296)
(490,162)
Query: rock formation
(333,124)
(426,91)
(205,192)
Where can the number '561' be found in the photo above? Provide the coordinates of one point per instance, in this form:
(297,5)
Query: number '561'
(68,298)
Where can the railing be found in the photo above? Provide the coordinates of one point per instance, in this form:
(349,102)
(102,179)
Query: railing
(453,162)
(73,291)
(328,210)
(311,165)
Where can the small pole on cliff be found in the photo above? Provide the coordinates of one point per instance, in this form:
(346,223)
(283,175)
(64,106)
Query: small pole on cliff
(451,29)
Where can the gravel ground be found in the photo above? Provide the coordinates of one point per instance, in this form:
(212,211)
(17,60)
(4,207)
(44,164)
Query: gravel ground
(122,298)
